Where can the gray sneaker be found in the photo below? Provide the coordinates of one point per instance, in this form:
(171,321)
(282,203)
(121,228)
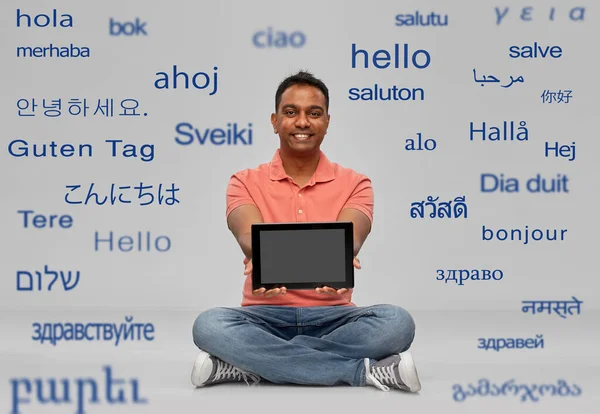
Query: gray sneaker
(209,369)
(396,371)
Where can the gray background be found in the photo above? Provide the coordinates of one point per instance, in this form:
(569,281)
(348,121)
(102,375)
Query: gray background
(204,267)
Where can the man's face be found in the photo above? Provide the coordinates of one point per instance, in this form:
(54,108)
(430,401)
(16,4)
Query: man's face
(301,119)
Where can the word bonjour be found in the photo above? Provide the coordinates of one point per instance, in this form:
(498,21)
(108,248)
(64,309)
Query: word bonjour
(519,234)
(230,135)
(65,277)
(538,184)
(21,148)
(560,307)
(60,391)
(139,243)
(465,274)
(511,343)
(532,392)
(418,19)
(163,82)
(441,209)
(575,14)
(267,38)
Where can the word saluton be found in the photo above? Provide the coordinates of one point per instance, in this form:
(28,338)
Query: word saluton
(418,19)
(216,136)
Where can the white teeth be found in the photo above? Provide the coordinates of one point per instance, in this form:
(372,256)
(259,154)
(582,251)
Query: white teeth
(301,135)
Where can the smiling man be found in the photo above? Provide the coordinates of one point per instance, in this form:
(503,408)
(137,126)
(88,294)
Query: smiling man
(302,337)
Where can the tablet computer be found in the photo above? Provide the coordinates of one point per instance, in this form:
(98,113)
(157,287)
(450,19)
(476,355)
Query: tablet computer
(302,255)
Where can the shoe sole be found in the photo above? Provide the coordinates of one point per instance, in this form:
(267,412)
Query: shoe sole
(198,369)
(408,372)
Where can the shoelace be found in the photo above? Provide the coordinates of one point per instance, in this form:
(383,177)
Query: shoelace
(225,370)
(379,374)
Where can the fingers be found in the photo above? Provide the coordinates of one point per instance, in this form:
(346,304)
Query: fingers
(331,291)
(356,262)
(271,292)
(248,269)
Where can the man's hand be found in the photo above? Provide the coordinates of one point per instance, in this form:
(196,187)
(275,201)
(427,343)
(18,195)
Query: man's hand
(331,291)
(262,291)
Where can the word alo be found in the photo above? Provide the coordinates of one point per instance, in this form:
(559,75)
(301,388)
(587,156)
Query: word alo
(70,391)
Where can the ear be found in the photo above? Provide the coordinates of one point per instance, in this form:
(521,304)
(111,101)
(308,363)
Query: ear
(274,122)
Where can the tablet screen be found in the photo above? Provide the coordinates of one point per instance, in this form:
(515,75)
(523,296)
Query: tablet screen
(303,256)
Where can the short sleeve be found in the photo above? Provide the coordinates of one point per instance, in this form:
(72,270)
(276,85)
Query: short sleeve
(362,198)
(237,194)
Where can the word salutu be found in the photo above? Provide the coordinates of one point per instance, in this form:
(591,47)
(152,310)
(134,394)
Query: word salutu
(418,19)
(20,148)
(532,392)
(465,274)
(576,14)
(126,331)
(508,131)
(560,307)
(538,184)
(493,79)
(199,80)
(65,277)
(94,198)
(441,210)
(53,108)
(511,343)
(74,391)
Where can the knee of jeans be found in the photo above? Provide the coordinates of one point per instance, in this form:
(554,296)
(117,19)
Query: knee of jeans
(400,326)
(208,325)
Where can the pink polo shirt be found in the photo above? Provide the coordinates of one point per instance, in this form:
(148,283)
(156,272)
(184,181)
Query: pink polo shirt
(331,189)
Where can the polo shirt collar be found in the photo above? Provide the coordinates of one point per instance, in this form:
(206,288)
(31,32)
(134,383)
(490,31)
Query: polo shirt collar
(323,173)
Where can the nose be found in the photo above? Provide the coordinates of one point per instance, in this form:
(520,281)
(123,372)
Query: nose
(302,120)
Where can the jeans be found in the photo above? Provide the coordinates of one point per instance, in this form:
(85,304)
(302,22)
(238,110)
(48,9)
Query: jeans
(324,345)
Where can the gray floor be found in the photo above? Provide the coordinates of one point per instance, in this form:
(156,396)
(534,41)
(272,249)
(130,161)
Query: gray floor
(445,351)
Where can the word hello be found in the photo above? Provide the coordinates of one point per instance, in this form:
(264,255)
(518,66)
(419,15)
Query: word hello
(136,28)
(138,244)
(382,58)
(418,19)
(505,132)
(216,136)
(44,20)
(162,82)
(535,51)
(538,184)
(68,391)
(575,14)
(268,38)
(428,144)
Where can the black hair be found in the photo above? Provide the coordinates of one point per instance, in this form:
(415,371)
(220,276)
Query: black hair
(301,78)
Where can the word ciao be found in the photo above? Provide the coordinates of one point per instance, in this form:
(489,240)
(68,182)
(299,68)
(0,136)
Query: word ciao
(418,19)
(74,391)
(441,210)
(200,80)
(44,20)
(20,148)
(511,343)
(491,183)
(230,135)
(526,14)
(531,392)
(535,51)
(65,277)
(465,274)
(519,234)
(267,38)
(126,331)
(121,197)
(560,307)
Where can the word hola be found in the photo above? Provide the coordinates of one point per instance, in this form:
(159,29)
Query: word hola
(44,20)
(162,82)
(268,38)
(59,392)
(136,28)
(491,183)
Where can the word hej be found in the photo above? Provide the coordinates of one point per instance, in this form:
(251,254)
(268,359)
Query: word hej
(441,210)
(53,107)
(491,183)
(511,343)
(560,307)
(163,82)
(19,148)
(65,277)
(505,132)
(94,198)
(564,151)
(73,391)
(532,392)
(126,331)
(216,136)
(526,14)
(465,274)
(384,59)
(279,39)
(418,19)
(139,243)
